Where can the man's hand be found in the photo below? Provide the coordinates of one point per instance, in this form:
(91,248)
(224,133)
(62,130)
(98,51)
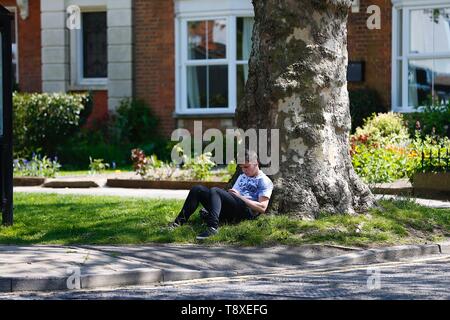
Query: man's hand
(235,192)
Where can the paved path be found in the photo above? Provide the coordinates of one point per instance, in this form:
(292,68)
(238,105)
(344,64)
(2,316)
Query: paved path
(41,260)
(424,278)
(120,192)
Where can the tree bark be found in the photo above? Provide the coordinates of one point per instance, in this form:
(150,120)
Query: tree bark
(297,84)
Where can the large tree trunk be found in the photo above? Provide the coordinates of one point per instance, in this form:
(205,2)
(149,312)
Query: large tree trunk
(297,84)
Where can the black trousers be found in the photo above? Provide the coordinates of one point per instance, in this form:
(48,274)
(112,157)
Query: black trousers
(221,205)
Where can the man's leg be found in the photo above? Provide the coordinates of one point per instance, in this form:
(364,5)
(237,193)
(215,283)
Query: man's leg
(225,207)
(198,194)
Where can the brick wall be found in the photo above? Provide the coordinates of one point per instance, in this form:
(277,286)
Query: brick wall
(154,59)
(29,46)
(373,47)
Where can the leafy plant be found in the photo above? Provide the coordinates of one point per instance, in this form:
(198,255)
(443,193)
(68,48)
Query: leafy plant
(36,167)
(151,167)
(375,165)
(200,166)
(97,166)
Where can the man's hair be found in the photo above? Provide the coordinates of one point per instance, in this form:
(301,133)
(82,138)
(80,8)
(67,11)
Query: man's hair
(249,156)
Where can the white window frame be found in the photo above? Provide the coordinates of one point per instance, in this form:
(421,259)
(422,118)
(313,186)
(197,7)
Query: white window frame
(77,48)
(14,11)
(407,6)
(181,49)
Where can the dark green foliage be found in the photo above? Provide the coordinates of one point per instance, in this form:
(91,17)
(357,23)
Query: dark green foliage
(434,115)
(363,103)
(132,126)
(41,122)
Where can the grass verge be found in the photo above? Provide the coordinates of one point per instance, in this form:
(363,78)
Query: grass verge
(68,219)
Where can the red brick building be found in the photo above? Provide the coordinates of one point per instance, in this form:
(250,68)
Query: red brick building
(188,58)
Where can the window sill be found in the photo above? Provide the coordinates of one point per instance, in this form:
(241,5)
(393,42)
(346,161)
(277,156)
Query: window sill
(88,87)
(203,115)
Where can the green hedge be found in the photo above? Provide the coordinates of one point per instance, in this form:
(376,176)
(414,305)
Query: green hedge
(44,121)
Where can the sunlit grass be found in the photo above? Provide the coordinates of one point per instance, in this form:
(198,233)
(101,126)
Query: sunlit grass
(69,219)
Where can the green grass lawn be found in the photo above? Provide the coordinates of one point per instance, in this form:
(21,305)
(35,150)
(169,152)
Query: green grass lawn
(64,173)
(65,219)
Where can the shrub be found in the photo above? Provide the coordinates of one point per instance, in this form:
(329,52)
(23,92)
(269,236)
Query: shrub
(200,166)
(135,122)
(364,103)
(75,153)
(383,129)
(379,149)
(44,121)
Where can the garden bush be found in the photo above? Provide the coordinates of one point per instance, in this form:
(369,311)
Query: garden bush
(380,148)
(383,129)
(383,151)
(43,121)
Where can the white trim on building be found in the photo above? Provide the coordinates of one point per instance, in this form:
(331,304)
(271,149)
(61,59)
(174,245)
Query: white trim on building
(402,53)
(62,49)
(200,10)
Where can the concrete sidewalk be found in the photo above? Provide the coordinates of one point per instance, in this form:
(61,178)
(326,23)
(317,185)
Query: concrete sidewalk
(47,268)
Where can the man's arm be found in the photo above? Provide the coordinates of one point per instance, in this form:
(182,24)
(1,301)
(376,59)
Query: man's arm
(258,206)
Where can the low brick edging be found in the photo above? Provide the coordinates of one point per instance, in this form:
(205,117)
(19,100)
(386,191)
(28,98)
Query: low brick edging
(164,184)
(75,184)
(432,185)
(28,181)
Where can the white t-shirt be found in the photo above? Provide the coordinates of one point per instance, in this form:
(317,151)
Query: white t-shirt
(254,187)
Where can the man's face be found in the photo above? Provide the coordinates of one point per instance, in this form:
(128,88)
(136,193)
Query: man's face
(249,168)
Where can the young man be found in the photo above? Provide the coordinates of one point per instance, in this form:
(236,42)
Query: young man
(248,198)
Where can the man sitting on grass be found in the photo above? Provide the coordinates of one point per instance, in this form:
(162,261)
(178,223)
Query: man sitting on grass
(248,198)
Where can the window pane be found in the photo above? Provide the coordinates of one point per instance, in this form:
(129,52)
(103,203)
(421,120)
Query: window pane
(197,39)
(196,87)
(244,37)
(218,86)
(442,80)
(429,30)
(207,86)
(95,62)
(217,39)
(420,77)
(242,75)
(207,39)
